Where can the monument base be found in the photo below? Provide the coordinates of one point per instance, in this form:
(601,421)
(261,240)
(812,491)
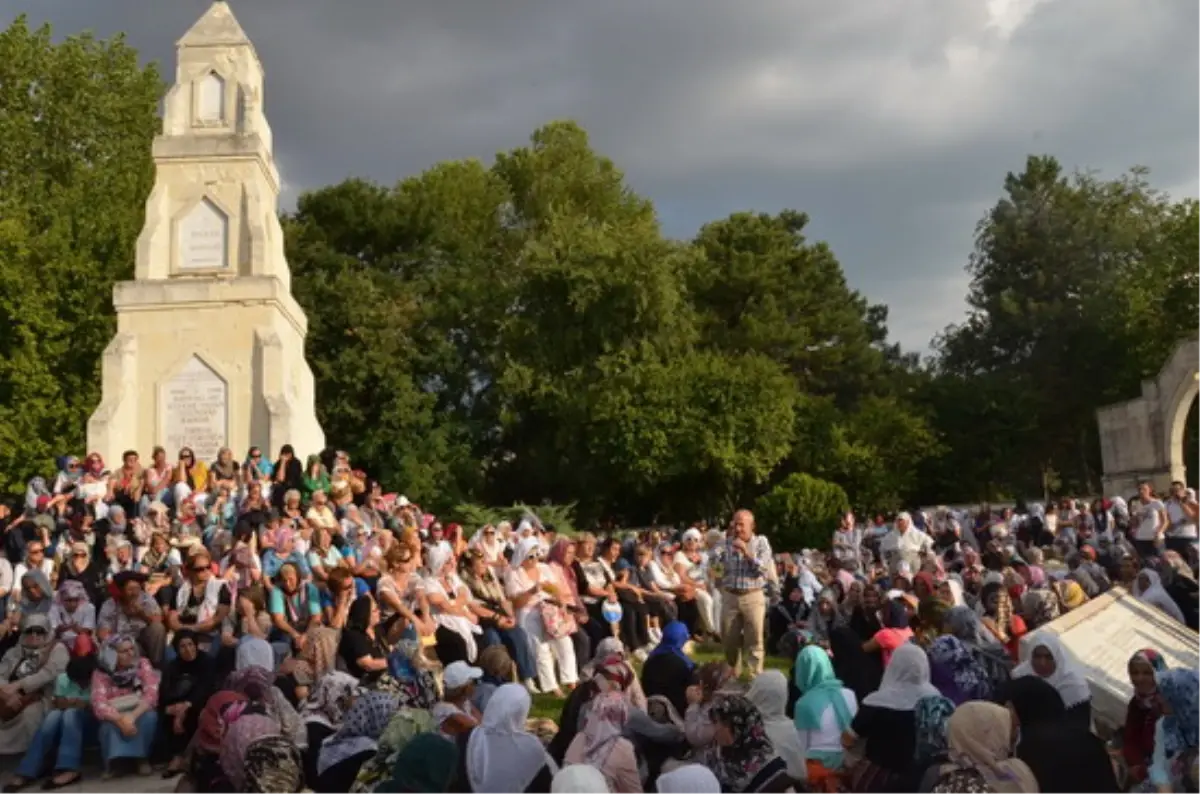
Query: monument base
(206,363)
(1103,634)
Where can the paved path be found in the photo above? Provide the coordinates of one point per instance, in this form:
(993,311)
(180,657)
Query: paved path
(91,780)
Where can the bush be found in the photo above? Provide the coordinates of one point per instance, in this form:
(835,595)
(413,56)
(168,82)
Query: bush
(801,513)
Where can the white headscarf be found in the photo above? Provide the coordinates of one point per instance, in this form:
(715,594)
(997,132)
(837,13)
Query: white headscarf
(905,681)
(768,693)
(956,590)
(1156,594)
(692,778)
(1068,677)
(254,652)
(501,755)
(579,779)
(525,547)
(437,555)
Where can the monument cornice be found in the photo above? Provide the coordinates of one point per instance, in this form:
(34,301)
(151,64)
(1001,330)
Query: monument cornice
(196,292)
(215,151)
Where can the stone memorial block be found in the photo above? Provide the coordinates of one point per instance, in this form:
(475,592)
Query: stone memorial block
(194,407)
(1102,635)
(211,269)
(210,99)
(203,238)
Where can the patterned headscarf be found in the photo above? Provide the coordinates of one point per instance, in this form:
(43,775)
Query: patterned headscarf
(612,675)
(273,764)
(241,730)
(737,764)
(330,699)
(361,729)
(1181,728)
(211,726)
(602,727)
(957,672)
(932,715)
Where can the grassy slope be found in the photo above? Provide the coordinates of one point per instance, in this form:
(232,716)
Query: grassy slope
(550,707)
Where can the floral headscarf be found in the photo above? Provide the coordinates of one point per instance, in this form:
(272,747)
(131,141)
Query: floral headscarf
(932,715)
(602,727)
(737,765)
(957,672)
(1181,728)
(360,731)
(1040,607)
(330,699)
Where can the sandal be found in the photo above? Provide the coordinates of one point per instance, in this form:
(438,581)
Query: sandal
(54,782)
(16,784)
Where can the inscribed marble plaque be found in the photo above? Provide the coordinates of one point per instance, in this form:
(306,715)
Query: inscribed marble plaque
(1103,633)
(203,238)
(194,406)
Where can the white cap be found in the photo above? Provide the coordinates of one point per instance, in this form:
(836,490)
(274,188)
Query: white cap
(459,674)
(402,501)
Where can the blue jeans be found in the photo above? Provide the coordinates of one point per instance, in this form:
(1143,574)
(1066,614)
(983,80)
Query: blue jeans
(68,730)
(114,744)
(517,643)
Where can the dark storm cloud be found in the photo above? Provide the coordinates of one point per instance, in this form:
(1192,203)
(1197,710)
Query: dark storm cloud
(891,124)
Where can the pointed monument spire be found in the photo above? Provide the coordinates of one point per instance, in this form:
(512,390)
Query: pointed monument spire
(218,27)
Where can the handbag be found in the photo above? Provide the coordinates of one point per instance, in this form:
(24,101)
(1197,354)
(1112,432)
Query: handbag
(126,703)
(556,623)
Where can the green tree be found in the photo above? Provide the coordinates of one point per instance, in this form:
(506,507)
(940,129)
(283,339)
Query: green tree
(77,119)
(762,288)
(1070,278)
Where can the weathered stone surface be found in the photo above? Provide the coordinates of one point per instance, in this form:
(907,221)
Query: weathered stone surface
(1103,634)
(1142,438)
(211,284)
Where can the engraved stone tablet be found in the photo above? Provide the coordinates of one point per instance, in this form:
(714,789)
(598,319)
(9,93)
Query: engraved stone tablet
(1102,635)
(203,238)
(194,410)
(210,103)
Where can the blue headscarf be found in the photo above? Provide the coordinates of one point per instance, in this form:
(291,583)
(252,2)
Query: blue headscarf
(674,637)
(820,690)
(1181,690)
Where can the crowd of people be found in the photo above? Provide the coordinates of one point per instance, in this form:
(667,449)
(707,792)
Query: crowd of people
(278,625)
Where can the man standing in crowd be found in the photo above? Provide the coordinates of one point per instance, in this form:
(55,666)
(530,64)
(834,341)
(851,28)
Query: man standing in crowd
(1151,522)
(746,566)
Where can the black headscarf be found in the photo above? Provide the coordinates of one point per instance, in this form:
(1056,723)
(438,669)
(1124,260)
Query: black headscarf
(359,617)
(183,680)
(1063,756)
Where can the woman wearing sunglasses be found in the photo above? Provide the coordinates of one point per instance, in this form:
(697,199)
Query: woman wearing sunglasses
(27,674)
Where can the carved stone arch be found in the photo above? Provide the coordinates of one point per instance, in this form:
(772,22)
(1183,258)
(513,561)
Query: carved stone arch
(1142,439)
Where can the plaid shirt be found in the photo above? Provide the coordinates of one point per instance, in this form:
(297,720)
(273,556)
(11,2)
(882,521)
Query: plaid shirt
(741,572)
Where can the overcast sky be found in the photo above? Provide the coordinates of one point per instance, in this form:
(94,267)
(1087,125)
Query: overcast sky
(890,122)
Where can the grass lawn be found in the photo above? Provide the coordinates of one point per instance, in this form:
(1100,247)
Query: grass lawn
(550,707)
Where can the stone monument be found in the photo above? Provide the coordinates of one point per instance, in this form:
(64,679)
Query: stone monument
(1102,635)
(209,350)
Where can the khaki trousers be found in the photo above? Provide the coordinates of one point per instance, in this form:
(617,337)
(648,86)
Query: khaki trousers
(742,618)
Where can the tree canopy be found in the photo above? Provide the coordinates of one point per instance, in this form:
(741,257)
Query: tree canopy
(545,340)
(523,331)
(76,121)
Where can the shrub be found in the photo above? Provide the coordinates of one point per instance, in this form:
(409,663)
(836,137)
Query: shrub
(801,512)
